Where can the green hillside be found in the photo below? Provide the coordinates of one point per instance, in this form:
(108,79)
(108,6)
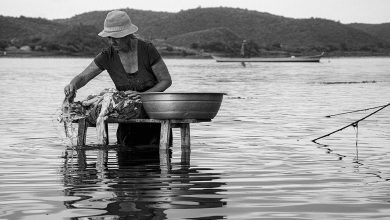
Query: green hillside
(245,23)
(205,29)
(140,18)
(210,40)
(77,39)
(191,39)
(381,31)
(266,29)
(28,29)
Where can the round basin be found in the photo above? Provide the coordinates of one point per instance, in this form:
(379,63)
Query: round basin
(179,105)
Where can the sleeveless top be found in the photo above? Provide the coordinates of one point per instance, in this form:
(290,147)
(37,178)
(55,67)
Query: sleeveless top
(141,80)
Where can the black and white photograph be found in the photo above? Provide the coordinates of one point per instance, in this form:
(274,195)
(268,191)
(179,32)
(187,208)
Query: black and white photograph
(201,109)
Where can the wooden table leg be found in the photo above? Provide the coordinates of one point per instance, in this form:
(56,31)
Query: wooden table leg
(185,144)
(101,162)
(81,159)
(185,134)
(82,132)
(105,139)
(185,156)
(165,163)
(165,133)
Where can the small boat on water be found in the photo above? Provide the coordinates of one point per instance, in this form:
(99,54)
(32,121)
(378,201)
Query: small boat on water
(315,58)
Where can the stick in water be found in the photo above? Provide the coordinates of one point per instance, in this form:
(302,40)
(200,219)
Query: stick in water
(328,116)
(351,124)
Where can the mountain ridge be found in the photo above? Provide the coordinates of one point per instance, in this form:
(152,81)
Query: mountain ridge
(188,27)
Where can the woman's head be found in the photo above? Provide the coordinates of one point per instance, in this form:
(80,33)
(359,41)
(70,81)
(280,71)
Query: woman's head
(122,44)
(118,25)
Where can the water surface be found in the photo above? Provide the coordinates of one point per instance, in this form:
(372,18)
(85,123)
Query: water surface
(254,160)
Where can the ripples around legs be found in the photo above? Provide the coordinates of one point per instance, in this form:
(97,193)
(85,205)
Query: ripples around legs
(137,184)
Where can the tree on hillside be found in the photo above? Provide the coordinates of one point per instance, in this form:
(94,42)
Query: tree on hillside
(3,44)
(77,39)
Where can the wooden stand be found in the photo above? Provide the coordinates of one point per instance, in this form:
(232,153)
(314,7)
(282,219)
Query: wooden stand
(166,125)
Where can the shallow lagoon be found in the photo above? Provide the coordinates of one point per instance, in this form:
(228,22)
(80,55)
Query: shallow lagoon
(254,160)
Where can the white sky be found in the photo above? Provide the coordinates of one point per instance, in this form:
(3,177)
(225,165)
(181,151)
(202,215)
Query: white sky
(345,11)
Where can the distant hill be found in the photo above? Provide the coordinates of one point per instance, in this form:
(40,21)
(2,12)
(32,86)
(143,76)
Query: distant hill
(77,39)
(381,31)
(24,28)
(222,34)
(318,32)
(140,18)
(203,28)
(262,28)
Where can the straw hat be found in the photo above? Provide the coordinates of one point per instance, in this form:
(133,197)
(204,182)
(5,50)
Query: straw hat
(117,25)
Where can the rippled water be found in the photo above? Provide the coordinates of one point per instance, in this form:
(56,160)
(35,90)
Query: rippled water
(254,160)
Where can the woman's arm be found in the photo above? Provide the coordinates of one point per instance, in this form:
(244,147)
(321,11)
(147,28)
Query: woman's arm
(82,79)
(164,80)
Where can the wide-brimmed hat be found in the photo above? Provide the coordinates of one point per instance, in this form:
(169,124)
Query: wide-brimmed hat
(117,25)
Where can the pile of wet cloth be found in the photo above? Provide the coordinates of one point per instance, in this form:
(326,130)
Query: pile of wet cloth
(97,108)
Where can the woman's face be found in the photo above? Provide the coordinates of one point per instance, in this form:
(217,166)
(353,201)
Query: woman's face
(120,44)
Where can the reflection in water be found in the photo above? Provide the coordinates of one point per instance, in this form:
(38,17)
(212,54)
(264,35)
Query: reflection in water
(137,184)
(258,148)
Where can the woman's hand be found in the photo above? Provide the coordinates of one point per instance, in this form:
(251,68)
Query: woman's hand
(80,80)
(70,90)
(133,94)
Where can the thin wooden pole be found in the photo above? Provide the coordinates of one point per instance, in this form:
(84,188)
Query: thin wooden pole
(328,116)
(351,124)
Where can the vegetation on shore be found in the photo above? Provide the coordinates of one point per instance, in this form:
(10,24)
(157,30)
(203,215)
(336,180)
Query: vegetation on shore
(198,33)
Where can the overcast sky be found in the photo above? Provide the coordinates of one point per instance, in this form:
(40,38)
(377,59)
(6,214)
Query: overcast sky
(345,11)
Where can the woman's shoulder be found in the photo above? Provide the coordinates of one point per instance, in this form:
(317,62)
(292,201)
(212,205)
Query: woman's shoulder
(145,43)
(103,58)
(106,52)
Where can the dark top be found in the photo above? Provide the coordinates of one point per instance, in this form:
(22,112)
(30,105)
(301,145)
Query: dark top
(141,80)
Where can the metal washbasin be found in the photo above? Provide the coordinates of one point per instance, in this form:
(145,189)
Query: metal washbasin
(181,105)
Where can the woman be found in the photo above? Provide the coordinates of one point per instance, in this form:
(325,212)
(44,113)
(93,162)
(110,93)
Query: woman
(135,66)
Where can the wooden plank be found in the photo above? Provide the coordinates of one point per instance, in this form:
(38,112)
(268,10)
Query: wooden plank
(189,120)
(117,120)
(173,123)
(150,120)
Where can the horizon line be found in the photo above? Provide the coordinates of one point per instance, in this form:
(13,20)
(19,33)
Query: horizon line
(199,7)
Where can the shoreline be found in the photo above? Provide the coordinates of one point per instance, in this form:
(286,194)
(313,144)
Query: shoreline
(38,54)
